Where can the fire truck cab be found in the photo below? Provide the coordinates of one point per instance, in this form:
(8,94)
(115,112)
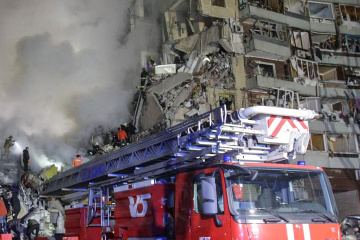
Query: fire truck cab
(230,201)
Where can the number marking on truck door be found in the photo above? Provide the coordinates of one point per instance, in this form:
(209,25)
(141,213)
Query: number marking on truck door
(133,206)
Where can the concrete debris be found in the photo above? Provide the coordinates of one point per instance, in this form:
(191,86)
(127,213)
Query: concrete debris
(169,83)
(210,40)
(182,96)
(165,69)
(191,113)
(187,44)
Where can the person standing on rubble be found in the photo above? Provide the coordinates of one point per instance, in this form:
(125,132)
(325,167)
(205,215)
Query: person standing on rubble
(26,158)
(12,204)
(3,214)
(130,130)
(122,136)
(9,142)
(32,226)
(77,161)
(143,76)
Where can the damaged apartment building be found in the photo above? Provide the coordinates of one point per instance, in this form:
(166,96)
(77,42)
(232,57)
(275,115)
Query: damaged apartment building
(241,53)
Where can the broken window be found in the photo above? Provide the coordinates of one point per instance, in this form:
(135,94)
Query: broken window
(335,110)
(218,3)
(227,100)
(352,43)
(300,40)
(274,5)
(304,68)
(352,76)
(295,6)
(324,41)
(341,142)
(263,68)
(316,142)
(267,69)
(312,103)
(269,29)
(350,13)
(321,10)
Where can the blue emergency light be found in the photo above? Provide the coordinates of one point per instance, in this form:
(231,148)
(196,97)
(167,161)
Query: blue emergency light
(227,158)
(301,163)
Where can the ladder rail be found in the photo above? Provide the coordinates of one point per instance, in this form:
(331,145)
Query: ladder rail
(166,142)
(202,137)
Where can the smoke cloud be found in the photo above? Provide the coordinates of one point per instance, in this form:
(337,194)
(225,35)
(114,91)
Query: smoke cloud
(67,67)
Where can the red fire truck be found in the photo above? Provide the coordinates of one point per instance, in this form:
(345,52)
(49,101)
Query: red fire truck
(242,188)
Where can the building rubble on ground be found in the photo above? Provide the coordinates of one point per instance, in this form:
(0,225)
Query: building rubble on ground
(23,186)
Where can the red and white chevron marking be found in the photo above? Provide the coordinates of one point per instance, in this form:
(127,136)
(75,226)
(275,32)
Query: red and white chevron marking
(278,124)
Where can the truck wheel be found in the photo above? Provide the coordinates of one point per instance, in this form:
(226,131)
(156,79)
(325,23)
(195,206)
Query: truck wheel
(103,236)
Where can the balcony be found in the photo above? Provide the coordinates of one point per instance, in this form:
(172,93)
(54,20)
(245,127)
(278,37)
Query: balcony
(291,19)
(268,45)
(339,58)
(266,82)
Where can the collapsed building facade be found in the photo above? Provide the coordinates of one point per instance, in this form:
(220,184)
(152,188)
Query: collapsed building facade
(291,53)
(297,54)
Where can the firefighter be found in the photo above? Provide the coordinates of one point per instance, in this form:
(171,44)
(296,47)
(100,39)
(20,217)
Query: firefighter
(12,204)
(32,226)
(115,141)
(122,136)
(15,226)
(130,130)
(152,65)
(9,142)
(96,148)
(143,76)
(152,62)
(77,161)
(26,158)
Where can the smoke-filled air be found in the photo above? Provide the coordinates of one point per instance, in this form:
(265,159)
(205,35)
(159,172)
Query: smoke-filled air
(67,67)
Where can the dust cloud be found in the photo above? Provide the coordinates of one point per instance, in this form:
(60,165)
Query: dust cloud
(66,68)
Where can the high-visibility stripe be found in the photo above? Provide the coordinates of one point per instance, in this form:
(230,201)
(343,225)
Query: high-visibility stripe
(281,124)
(306,229)
(290,232)
(270,121)
(302,123)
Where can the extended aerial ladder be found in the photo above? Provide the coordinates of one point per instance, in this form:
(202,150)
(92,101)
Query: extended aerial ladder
(258,133)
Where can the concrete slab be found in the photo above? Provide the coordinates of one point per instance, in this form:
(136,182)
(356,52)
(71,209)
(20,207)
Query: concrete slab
(210,39)
(152,112)
(170,83)
(187,44)
(182,96)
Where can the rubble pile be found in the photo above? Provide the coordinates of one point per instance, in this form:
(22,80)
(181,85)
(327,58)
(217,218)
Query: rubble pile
(203,61)
(17,189)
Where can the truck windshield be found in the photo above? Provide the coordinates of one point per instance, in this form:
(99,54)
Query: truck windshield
(284,194)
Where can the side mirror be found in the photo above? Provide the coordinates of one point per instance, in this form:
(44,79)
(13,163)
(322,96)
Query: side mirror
(209,196)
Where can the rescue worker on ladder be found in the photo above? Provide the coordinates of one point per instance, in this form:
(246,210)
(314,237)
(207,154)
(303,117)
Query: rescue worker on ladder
(77,161)
(152,65)
(143,76)
(9,142)
(122,136)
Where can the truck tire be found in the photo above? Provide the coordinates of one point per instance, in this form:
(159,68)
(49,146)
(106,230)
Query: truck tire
(103,236)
